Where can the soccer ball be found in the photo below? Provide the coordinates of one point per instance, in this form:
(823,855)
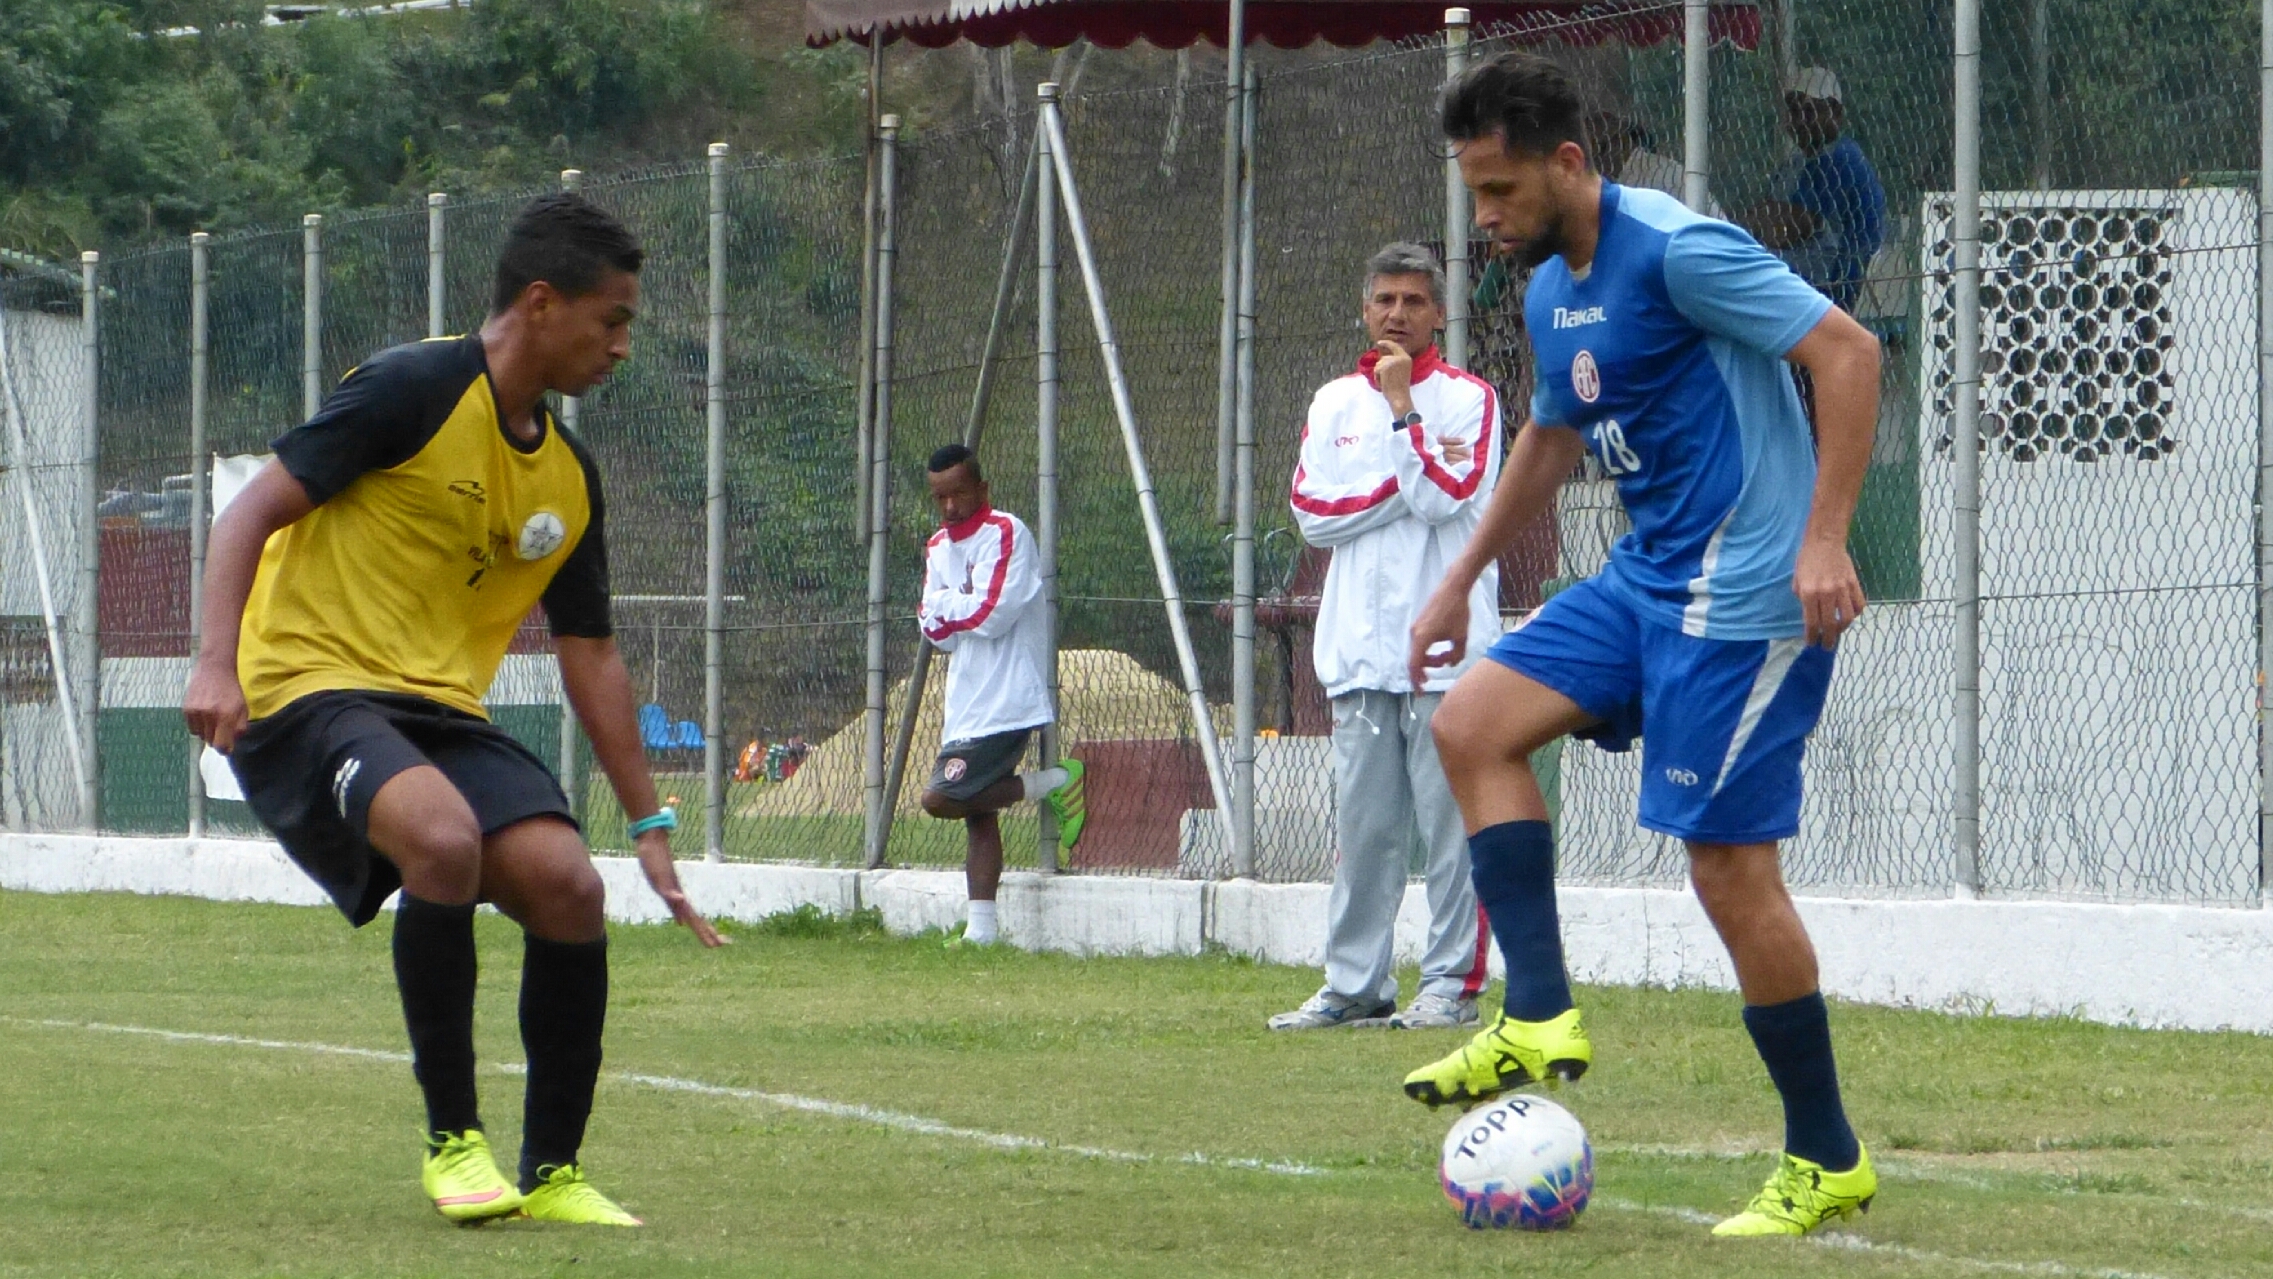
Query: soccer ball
(1522,1161)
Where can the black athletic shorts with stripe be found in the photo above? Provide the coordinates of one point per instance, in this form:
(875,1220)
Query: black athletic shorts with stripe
(309,772)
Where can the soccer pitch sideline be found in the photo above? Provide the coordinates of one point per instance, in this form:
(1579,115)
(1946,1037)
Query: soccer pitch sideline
(823,1099)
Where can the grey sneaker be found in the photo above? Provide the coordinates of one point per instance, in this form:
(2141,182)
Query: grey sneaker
(1435,1012)
(1329,1009)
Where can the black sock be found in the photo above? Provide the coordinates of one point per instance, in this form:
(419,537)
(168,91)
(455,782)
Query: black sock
(435,969)
(564,1007)
(1794,1040)
(1513,865)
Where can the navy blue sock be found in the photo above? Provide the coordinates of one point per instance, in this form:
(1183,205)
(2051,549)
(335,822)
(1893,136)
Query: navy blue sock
(1794,1039)
(1514,868)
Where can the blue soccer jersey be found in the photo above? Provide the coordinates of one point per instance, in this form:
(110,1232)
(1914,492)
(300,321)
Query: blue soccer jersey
(1667,355)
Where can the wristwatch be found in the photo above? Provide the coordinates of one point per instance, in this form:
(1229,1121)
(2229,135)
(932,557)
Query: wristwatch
(1407,422)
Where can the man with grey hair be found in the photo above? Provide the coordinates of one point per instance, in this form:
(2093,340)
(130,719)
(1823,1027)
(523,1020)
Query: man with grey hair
(1398,458)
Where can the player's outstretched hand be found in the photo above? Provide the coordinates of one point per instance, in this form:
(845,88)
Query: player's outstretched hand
(1830,594)
(1440,633)
(214,705)
(655,859)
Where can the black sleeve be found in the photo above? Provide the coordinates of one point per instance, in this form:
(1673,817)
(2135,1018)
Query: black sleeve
(380,415)
(577,601)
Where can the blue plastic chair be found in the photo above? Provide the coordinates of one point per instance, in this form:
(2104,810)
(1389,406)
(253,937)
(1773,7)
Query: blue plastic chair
(654,727)
(689,736)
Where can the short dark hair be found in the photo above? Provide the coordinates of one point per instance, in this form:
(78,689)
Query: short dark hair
(949,456)
(1530,102)
(568,242)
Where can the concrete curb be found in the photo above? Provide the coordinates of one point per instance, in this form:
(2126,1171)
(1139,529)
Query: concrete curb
(2189,967)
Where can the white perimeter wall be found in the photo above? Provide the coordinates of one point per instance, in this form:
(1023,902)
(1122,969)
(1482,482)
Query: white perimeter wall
(2191,967)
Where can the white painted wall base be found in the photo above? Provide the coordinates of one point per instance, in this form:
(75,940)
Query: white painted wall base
(2190,967)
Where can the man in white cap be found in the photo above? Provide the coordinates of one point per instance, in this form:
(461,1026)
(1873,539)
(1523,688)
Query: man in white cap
(1832,217)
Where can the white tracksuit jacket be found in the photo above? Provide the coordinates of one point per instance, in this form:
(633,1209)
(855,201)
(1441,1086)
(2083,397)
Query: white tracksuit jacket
(1395,515)
(982,590)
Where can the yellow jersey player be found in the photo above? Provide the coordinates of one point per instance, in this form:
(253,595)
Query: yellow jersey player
(360,593)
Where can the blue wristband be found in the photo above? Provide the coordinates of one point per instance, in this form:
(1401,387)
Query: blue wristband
(661,819)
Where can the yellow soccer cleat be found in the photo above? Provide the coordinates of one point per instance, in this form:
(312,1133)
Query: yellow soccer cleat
(1506,1054)
(1801,1195)
(463,1181)
(564,1195)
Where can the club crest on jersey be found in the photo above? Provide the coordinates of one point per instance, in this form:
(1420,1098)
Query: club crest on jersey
(541,535)
(1586,379)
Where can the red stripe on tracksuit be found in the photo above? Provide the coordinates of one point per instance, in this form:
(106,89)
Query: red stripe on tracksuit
(994,589)
(1336,506)
(1482,972)
(1455,487)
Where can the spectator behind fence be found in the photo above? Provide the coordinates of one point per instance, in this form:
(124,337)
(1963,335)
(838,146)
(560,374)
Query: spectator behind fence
(1397,459)
(982,605)
(1832,217)
(1623,152)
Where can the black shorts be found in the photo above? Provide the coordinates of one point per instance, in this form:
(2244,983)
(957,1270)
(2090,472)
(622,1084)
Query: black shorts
(309,772)
(968,767)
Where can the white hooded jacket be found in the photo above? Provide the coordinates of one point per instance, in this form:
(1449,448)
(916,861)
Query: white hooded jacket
(982,586)
(1395,515)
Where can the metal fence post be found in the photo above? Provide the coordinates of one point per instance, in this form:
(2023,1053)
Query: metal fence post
(2264,446)
(1046,447)
(571,406)
(1456,216)
(571,416)
(311,314)
(714,508)
(437,283)
(89,604)
(1696,103)
(1132,444)
(864,415)
(974,430)
(1965,452)
(880,487)
(1243,526)
(1227,332)
(200,474)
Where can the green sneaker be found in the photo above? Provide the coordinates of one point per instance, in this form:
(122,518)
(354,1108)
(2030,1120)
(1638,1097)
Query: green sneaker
(564,1195)
(1801,1195)
(462,1179)
(1506,1054)
(1070,805)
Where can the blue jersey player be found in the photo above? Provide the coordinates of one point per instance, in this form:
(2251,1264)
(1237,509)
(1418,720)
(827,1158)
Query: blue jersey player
(1662,339)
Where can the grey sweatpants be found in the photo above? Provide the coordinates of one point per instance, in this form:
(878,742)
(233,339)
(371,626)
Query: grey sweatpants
(1389,793)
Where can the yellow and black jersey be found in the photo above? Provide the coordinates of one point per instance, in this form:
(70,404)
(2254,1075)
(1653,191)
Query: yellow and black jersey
(435,533)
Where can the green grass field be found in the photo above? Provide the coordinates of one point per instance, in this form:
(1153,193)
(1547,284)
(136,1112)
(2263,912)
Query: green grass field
(2007,1147)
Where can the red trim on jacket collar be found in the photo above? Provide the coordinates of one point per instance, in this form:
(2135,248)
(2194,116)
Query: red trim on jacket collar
(958,532)
(1424,364)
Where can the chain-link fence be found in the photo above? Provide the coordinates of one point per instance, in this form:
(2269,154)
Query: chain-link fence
(2118,423)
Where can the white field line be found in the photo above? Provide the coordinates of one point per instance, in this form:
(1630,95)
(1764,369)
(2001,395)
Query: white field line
(786,1101)
(924,1126)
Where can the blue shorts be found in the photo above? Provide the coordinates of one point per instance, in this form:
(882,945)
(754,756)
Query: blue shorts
(1727,720)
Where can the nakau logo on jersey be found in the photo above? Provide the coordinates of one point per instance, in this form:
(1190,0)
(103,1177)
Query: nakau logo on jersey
(1575,317)
(1681,777)
(1586,379)
(541,535)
